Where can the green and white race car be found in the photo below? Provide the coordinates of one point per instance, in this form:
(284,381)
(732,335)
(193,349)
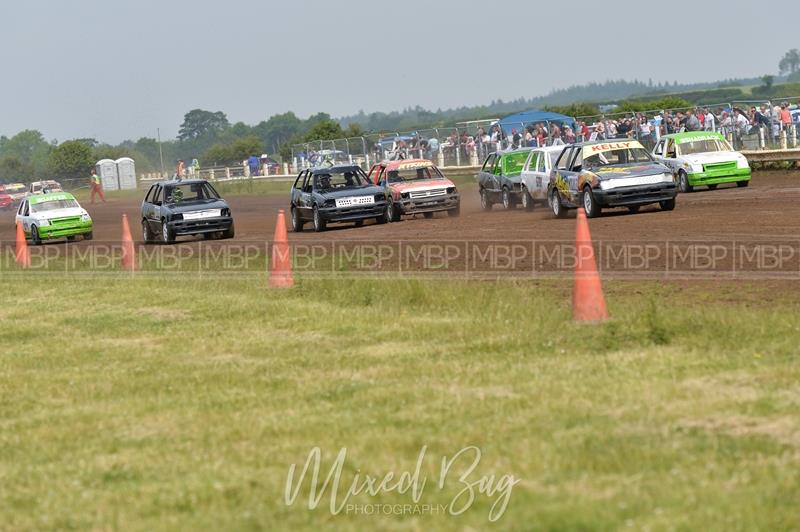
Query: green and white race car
(53,215)
(702,158)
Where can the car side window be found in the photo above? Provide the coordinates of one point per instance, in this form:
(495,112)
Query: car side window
(563,161)
(298,183)
(22,208)
(534,159)
(670,149)
(381,176)
(498,165)
(157,195)
(540,167)
(659,149)
(488,163)
(149,197)
(307,182)
(577,162)
(27,210)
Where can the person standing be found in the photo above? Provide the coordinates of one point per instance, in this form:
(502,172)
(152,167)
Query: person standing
(96,186)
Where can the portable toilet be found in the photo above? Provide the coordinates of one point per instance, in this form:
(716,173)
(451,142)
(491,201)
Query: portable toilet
(107,171)
(126,172)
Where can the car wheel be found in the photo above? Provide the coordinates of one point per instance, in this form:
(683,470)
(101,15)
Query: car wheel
(427,215)
(359,223)
(35,239)
(486,202)
(633,209)
(590,206)
(455,213)
(319,223)
(527,200)
(742,184)
(167,234)
(683,182)
(297,223)
(229,232)
(71,238)
(667,205)
(712,187)
(392,212)
(555,203)
(508,201)
(147,234)
(88,236)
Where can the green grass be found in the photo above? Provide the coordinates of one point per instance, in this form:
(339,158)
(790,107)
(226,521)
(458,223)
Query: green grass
(147,404)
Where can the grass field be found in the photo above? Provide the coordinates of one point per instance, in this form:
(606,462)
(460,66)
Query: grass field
(163,404)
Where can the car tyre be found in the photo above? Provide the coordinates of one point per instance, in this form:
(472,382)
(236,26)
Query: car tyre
(35,238)
(486,202)
(88,236)
(527,200)
(167,234)
(147,234)
(667,205)
(297,223)
(555,204)
(633,209)
(683,182)
(712,187)
(427,215)
(229,232)
(742,184)
(508,200)
(392,212)
(590,205)
(71,238)
(359,223)
(319,223)
(456,212)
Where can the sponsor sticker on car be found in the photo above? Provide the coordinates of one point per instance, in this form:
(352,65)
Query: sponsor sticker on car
(200,215)
(355,200)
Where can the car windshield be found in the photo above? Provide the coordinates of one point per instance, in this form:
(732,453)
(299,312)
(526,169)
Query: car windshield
(351,178)
(703,146)
(52,205)
(190,192)
(414,174)
(618,156)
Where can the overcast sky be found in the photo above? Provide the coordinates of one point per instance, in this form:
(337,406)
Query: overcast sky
(117,69)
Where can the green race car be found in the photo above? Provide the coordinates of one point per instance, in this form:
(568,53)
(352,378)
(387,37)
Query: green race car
(53,215)
(702,158)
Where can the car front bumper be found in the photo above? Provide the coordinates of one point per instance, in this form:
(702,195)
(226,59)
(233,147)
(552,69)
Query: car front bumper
(198,227)
(433,204)
(352,214)
(47,232)
(636,195)
(714,177)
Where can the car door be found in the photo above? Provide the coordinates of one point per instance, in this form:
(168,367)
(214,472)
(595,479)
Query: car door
(297,188)
(540,175)
(670,157)
(485,175)
(23,215)
(152,209)
(565,177)
(305,202)
(528,174)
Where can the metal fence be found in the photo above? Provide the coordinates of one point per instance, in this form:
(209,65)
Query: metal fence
(748,125)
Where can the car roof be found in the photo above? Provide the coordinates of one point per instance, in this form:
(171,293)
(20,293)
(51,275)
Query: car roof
(181,182)
(50,196)
(692,134)
(337,168)
(394,165)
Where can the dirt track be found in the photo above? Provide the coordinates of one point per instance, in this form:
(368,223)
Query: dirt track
(728,217)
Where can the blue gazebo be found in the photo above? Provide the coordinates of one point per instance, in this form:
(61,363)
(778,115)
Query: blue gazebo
(534,116)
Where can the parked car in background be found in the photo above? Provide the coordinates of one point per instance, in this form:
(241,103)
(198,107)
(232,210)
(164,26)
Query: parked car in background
(184,207)
(702,158)
(53,215)
(594,175)
(415,186)
(328,158)
(42,187)
(535,175)
(500,178)
(336,194)
(6,201)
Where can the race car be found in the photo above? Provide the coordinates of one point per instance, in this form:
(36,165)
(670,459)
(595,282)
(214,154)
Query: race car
(702,158)
(17,191)
(6,201)
(415,186)
(42,187)
(53,215)
(535,174)
(185,207)
(602,174)
(500,178)
(335,194)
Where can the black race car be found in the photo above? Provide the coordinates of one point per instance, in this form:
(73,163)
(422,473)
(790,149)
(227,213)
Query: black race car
(335,194)
(185,207)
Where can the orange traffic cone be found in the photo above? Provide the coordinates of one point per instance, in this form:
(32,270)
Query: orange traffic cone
(588,303)
(23,257)
(128,253)
(280,275)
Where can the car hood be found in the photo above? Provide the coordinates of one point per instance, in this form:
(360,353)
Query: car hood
(421,186)
(713,157)
(60,213)
(188,206)
(370,190)
(620,172)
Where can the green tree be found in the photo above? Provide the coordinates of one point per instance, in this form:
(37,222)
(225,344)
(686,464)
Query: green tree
(767,81)
(198,123)
(234,153)
(14,170)
(790,63)
(71,160)
(278,129)
(324,130)
(574,110)
(30,149)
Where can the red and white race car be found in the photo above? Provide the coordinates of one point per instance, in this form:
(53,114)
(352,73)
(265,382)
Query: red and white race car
(415,186)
